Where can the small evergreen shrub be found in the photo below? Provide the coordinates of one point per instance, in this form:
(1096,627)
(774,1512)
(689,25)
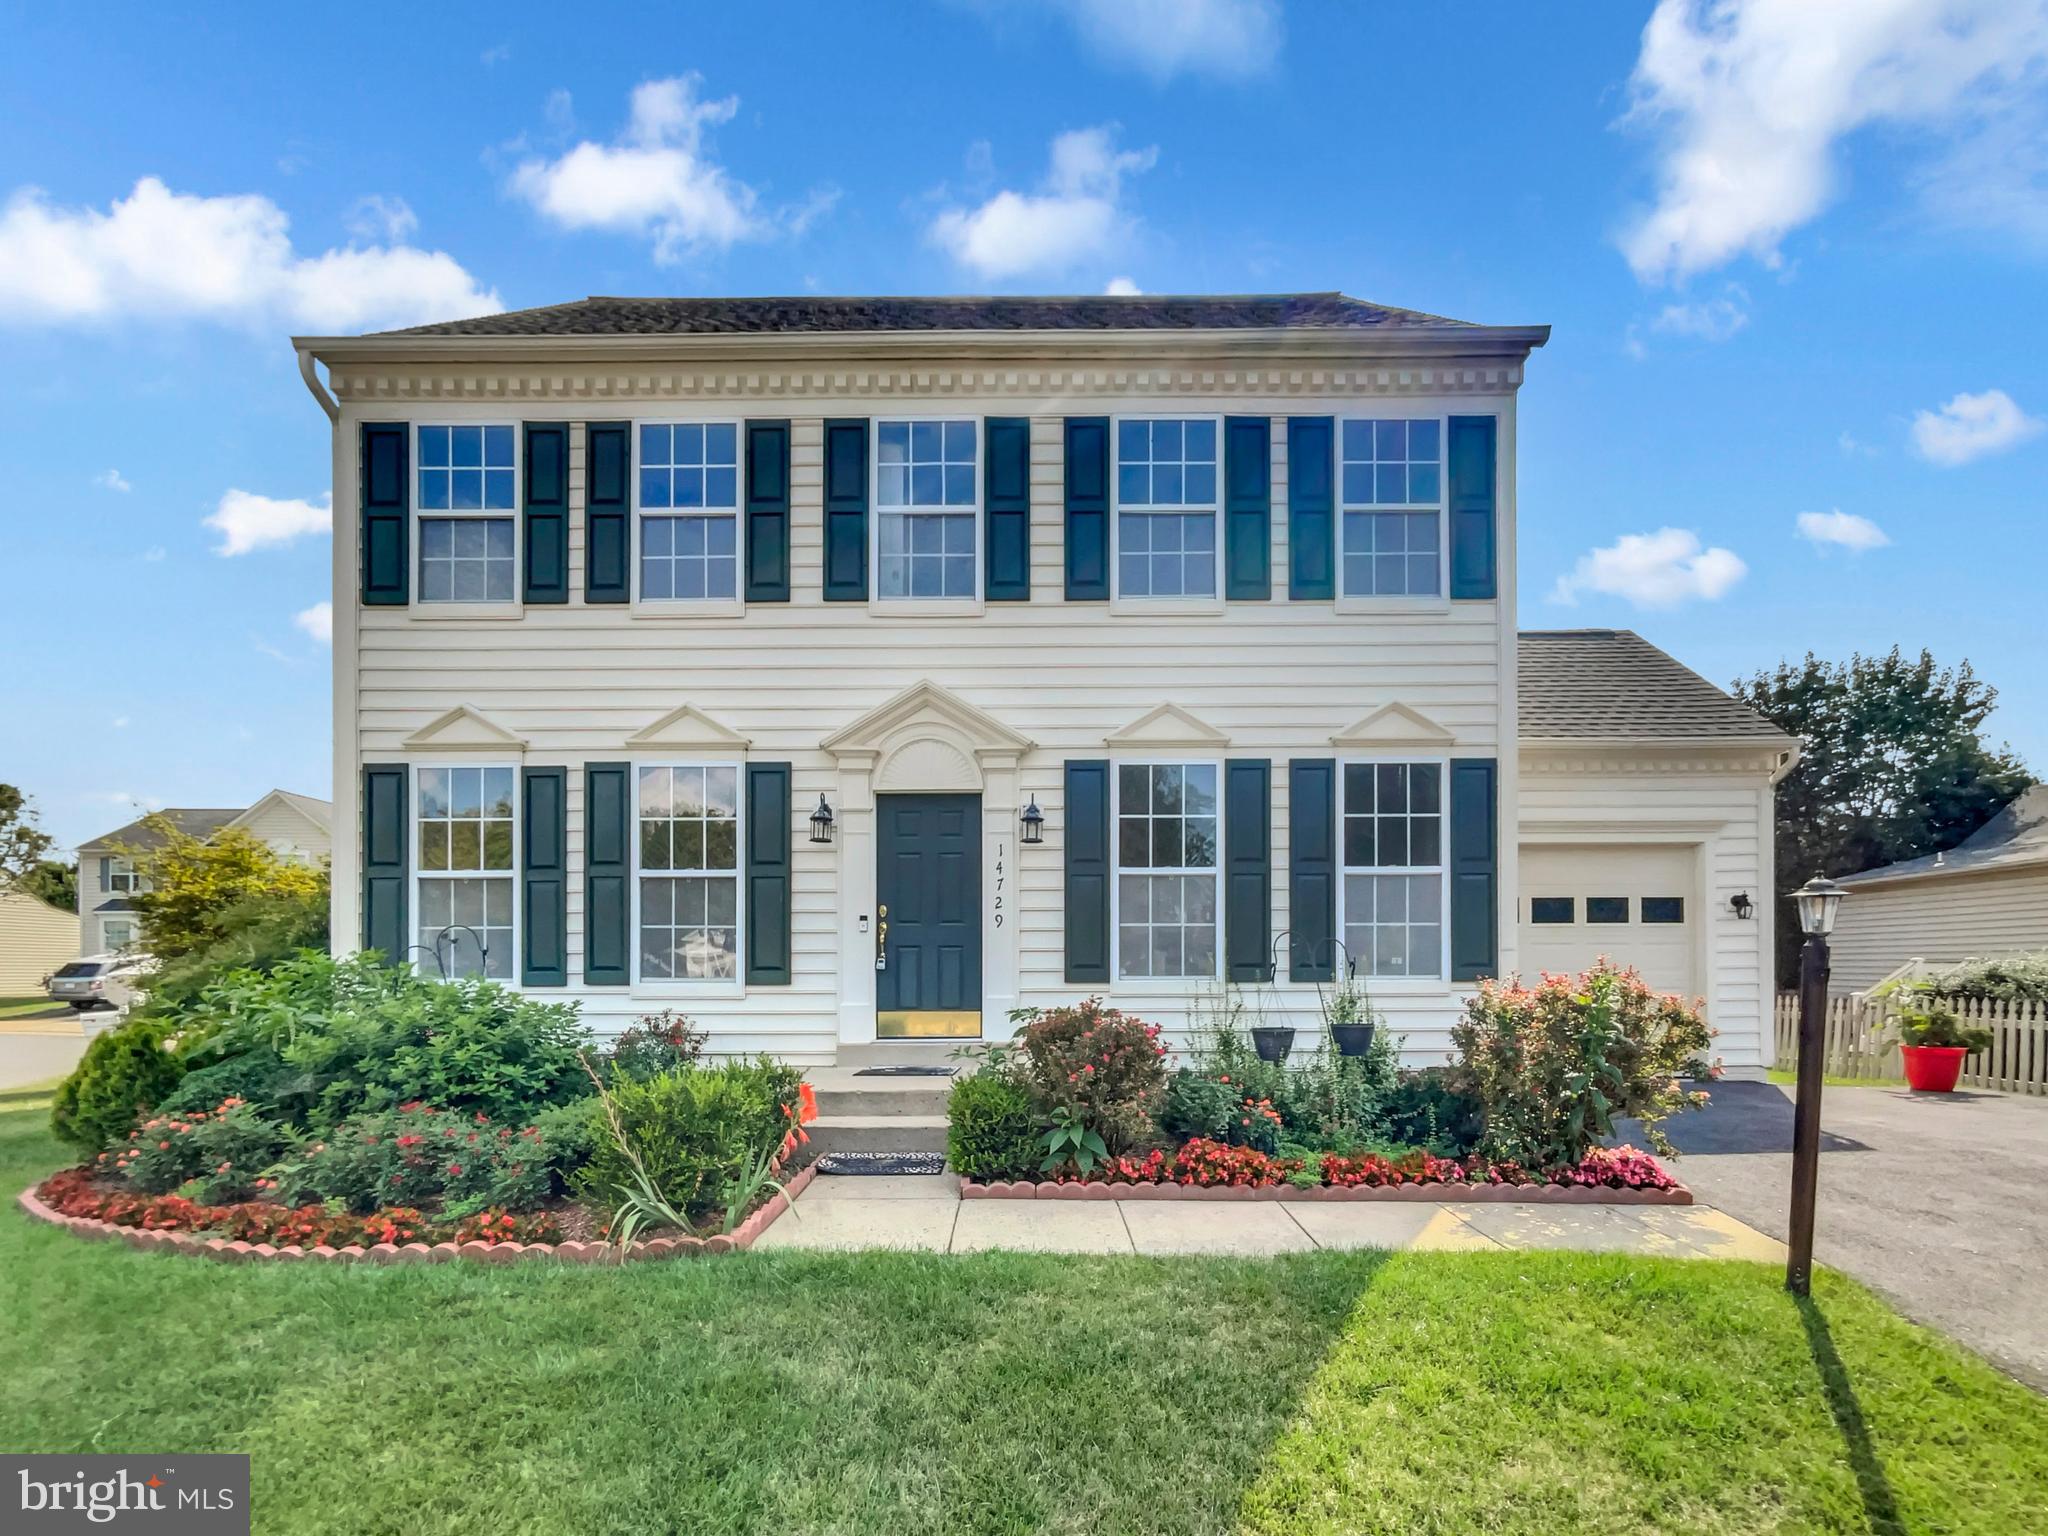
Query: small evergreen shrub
(124,1073)
(258,1077)
(992,1131)
(1426,1108)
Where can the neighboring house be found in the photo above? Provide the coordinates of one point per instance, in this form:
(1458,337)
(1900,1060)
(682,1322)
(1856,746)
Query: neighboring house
(1985,897)
(35,938)
(1125,641)
(297,826)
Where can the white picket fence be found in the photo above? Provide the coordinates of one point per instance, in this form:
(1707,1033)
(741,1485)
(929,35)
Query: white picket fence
(1859,1044)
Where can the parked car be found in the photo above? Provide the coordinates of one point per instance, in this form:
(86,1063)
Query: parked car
(100,981)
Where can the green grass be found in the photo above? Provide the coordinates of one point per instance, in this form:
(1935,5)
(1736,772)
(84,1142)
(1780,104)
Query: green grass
(1790,1079)
(21,1007)
(785,1393)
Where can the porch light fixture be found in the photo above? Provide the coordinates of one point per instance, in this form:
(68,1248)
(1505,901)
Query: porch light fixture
(1742,905)
(1034,823)
(1818,900)
(821,822)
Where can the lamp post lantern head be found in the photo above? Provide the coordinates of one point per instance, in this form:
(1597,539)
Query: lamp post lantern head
(1818,900)
(821,822)
(1034,823)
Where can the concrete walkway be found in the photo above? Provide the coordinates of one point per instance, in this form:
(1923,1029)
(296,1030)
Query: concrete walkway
(927,1213)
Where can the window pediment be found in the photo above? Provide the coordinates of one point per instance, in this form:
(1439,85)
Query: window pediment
(686,726)
(1167,726)
(464,729)
(1394,725)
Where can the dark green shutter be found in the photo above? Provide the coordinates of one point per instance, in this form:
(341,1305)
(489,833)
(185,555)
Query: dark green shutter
(1006,501)
(106,871)
(384,840)
(1088,511)
(607,873)
(386,506)
(1248,869)
(1474,857)
(846,511)
(546,520)
(1312,868)
(767,512)
(1311,508)
(1087,901)
(768,874)
(608,512)
(1248,508)
(1472,478)
(544,877)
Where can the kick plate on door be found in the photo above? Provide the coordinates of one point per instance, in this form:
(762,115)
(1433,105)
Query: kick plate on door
(929,1023)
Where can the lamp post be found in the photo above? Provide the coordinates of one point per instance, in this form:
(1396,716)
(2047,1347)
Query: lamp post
(1818,900)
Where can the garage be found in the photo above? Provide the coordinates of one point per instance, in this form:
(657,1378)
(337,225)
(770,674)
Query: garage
(1633,904)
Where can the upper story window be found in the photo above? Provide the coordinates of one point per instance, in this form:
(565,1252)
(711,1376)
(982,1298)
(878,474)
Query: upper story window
(1166,869)
(465,822)
(927,509)
(689,859)
(1393,886)
(688,492)
(1392,482)
(467,497)
(121,875)
(1166,479)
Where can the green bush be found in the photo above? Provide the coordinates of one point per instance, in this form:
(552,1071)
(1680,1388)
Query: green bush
(225,1150)
(692,1130)
(2012,979)
(366,1037)
(256,933)
(124,1073)
(1197,1105)
(258,1077)
(1095,1066)
(1425,1109)
(422,1157)
(659,1043)
(991,1130)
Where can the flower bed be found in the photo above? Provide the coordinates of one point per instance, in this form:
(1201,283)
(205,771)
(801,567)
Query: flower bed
(248,1230)
(1208,1170)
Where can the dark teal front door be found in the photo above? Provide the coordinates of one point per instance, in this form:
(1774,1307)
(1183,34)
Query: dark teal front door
(928,910)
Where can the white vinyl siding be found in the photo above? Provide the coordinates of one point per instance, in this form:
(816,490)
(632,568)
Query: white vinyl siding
(1944,920)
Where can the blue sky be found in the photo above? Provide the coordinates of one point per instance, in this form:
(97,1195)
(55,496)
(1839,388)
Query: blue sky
(1793,250)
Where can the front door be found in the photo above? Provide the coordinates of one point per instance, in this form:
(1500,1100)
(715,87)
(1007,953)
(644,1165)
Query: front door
(928,916)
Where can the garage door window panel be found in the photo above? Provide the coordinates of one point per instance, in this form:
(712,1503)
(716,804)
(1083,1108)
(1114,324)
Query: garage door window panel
(1393,887)
(1663,909)
(1607,909)
(1553,909)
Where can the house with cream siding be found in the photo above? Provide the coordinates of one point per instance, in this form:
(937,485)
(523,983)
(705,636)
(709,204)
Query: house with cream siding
(35,938)
(842,670)
(1984,899)
(296,826)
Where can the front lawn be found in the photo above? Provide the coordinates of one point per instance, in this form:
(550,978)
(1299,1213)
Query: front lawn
(791,1393)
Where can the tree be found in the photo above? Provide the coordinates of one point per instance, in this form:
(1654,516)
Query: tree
(22,842)
(1893,765)
(190,885)
(53,881)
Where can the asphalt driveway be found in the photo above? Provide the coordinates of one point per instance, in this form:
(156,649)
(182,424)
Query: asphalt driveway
(1939,1201)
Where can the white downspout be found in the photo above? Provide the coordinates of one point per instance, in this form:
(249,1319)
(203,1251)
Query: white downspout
(326,401)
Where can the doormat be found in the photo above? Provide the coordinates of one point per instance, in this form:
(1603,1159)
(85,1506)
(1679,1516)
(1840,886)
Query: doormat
(905,1072)
(879,1164)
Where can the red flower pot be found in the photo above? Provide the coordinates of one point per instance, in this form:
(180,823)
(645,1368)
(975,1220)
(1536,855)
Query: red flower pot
(1933,1068)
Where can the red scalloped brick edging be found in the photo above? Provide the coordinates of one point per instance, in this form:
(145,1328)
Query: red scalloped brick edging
(239,1252)
(1450,1194)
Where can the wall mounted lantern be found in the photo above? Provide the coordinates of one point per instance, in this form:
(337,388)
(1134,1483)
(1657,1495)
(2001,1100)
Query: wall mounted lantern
(1034,823)
(821,822)
(1742,905)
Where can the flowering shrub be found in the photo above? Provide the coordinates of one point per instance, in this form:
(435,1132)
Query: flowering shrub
(1553,1064)
(1203,1162)
(660,1042)
(225,1149)
(424,1156)
(1100,1067)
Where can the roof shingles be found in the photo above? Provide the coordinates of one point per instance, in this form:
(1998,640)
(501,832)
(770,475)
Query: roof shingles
(1613,685)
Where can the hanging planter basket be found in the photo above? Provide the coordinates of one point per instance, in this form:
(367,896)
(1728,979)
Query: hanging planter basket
(1272,1043)
(1352,1039)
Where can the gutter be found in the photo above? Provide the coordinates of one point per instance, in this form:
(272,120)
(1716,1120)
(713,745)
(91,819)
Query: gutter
(320,395)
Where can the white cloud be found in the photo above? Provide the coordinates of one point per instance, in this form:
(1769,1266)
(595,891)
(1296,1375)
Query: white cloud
(1164,38)
(1971,426)
(1714,319)
(317,621)
(1841,530)
(656,179)
(247,521)
(382,218)
(111,480)
(1122,287)
(1653,570)
(1751,97)
(1076,216)
(163,255)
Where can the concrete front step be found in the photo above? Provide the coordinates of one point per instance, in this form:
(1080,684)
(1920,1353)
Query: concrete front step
(905,1053)
(877,1133)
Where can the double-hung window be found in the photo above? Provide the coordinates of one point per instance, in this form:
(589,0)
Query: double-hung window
(117,933)
(1166,499)
(466,864)
(688,489)
(927,508)
(468,497)
(121,875)
(1392,483)
(1393,887)
(689,856)
(1166,875)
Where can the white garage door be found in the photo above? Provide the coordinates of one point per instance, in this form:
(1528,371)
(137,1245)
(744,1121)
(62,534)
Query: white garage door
(1634,905)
